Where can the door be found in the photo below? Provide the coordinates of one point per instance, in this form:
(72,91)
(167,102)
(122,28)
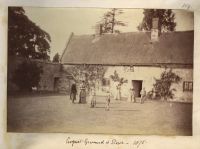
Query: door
(137,85)
(56,82)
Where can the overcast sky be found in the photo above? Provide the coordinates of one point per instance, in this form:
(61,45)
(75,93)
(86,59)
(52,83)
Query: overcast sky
(60,22)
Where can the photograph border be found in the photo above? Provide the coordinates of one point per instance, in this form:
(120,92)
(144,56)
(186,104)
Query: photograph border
(39,140)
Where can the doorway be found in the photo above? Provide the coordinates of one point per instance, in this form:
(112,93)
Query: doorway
(137,85)
(56,82)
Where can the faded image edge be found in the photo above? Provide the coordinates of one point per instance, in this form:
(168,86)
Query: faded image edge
(100,71)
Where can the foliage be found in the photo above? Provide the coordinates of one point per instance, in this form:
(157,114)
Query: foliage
(166,20)
(162,86)
(27,75)
(89,73)
(109,21)
(56,58)
(116,78)
(25,38)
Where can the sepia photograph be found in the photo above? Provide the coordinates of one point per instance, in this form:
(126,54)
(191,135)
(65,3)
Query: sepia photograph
(100,71)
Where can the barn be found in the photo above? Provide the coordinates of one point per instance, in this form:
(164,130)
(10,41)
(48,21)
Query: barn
(138,57)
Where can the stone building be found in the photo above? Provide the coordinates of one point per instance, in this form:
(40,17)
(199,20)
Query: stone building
(139,57)
(53,78)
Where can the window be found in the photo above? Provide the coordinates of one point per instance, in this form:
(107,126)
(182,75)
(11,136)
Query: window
(187,86)
(129,68)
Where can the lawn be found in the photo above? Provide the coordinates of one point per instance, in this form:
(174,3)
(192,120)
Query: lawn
(58,114)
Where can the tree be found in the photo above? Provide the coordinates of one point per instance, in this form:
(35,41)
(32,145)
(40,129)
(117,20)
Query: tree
(27,75)
(56,58)
(109,21)
(116,78)
(166,20)
(25,38)
(162,86)
(89,73)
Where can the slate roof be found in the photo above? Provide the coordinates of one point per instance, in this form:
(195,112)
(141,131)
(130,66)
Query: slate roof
(134,48)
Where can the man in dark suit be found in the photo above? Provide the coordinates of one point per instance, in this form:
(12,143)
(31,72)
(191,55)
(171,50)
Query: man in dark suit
(73,92)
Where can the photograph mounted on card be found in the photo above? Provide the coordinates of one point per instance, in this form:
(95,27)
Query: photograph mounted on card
(100,70)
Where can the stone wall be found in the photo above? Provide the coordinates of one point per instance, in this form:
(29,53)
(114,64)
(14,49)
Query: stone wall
(52,78)
(48,77)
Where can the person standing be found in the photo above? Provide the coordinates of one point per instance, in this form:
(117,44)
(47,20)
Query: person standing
(107,107)
(132,95)
(118,92)
(82,95)
(92,97)
(143,95)
(73,92)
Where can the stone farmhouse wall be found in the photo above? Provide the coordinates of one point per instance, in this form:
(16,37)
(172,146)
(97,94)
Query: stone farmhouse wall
(147,75)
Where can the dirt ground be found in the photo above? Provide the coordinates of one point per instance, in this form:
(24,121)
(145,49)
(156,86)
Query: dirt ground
(58,114)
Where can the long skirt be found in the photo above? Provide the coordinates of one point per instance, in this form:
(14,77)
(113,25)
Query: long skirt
(82,96)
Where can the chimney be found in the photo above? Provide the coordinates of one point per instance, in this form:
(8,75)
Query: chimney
(98,32)
(100,29)
(154,30)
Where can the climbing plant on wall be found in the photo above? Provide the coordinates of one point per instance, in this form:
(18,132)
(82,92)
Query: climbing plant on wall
(163,85)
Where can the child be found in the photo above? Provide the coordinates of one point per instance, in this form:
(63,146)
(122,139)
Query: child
(92,98)
(107,107)
(132,95)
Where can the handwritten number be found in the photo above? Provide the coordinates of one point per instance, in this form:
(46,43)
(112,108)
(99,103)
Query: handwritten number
(186,6)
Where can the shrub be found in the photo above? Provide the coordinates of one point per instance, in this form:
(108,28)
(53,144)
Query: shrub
(162,86)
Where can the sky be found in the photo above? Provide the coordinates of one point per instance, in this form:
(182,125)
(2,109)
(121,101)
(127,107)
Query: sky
(61,22)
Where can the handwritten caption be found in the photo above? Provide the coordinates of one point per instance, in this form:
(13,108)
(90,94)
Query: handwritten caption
(186,6)
(136,143)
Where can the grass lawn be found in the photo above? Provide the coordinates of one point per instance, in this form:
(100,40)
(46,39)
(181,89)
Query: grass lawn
(58,114)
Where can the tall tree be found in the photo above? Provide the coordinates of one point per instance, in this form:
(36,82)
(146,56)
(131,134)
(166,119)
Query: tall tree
(109,21)
(56,58)
(166,20)
(27,75)
(25,38)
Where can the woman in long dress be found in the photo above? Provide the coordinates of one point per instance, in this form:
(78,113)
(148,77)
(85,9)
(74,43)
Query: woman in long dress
(143,95)
(82,95)
(118,92)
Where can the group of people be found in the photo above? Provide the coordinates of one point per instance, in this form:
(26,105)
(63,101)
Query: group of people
(132,95)
(92,95)
(82,95)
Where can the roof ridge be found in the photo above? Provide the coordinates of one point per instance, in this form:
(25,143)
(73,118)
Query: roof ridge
(135,32)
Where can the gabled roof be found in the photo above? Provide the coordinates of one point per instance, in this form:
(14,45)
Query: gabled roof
(134,48)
